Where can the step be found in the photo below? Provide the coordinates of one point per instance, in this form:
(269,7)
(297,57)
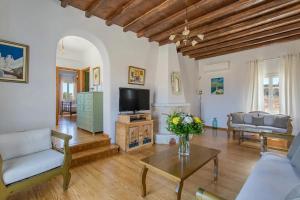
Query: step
(83,157)
(90,145)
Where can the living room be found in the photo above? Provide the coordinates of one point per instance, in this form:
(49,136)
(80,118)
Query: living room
(242,56)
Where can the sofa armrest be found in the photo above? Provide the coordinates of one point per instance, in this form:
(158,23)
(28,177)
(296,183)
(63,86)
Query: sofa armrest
(290,126)
(67,153)
(204,195)
(62,136)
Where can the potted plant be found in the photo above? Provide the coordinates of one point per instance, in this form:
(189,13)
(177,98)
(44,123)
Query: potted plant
(184,125)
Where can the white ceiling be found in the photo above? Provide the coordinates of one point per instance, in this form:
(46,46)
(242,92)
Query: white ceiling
(74,43)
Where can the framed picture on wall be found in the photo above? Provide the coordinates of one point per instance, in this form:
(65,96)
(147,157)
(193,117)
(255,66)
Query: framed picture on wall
(136,75)
(14,61)
(96,76)
(217,86)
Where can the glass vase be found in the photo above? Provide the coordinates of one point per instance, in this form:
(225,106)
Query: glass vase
(184,145)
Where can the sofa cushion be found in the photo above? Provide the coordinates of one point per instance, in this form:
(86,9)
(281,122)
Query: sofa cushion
(294,194)
(268,120)
(294,146)
(18,144)
(273,129)
(281,121)
(237,118)
(242,126)
(17,169)
(258,121)
(266,179)
(248,118)
(296,160)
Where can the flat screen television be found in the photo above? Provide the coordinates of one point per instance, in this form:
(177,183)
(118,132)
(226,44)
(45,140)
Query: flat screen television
(134,99)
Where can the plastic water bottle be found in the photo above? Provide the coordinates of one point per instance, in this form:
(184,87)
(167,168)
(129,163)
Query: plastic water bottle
(215,123)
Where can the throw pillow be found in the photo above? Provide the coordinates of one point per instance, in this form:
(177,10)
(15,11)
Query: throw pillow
(268,120)
(294,194)
(281,121)
(237,118)
(258,121)
(294,146)
(247,118)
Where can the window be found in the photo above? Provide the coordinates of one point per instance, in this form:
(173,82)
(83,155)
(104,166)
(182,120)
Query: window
(271,94)
(68,91)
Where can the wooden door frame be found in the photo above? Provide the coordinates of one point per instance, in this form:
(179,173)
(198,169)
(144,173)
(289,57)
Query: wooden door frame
(81,85)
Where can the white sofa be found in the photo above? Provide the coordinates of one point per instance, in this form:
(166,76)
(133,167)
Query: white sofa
(28,158)
(281,124)
(272,178)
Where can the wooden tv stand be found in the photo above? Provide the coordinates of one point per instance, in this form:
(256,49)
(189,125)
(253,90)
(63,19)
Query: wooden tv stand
(134,131)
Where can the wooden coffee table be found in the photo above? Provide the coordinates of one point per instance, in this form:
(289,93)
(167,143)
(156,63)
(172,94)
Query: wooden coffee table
(178,168)
(264,135)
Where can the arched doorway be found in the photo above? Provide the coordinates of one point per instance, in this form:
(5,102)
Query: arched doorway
(79,68)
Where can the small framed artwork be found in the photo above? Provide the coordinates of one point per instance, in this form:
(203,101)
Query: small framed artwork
(14,61)
(136,75)
(217,86)
(96,76)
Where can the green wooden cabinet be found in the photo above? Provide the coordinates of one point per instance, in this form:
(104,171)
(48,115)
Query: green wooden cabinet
(90,111)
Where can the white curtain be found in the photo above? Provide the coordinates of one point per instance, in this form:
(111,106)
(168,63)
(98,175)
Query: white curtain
(289,88)
(256,92)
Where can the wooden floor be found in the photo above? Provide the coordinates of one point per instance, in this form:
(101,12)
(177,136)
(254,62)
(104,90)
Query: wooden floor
(67,124)
(117,177)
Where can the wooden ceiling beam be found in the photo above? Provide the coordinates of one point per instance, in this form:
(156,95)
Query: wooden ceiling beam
(261,10)
(92,8)
(244,33)
(158,8)
(252,37)
(245,25)
(296,37)
(110,18)
(65,3)
(292,35)
(226,10)
(170,18)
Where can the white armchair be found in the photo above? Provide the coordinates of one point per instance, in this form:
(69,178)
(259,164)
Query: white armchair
(28,158)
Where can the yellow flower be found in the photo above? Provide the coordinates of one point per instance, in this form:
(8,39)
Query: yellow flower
(176,120)
(197,120)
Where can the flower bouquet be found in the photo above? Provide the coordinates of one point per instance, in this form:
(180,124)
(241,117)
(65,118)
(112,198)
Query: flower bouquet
(183,125)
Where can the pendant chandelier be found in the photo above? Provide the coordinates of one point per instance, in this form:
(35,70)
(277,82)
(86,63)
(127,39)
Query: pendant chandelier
(184,38)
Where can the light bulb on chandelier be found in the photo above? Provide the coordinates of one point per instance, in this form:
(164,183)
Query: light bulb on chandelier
(172,37)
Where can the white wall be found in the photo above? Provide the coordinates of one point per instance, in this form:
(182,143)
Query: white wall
(32,105)
(189,72)
(41,24)
(85,54)
(93,59)
(167,63)
(70,58)
(236,80)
